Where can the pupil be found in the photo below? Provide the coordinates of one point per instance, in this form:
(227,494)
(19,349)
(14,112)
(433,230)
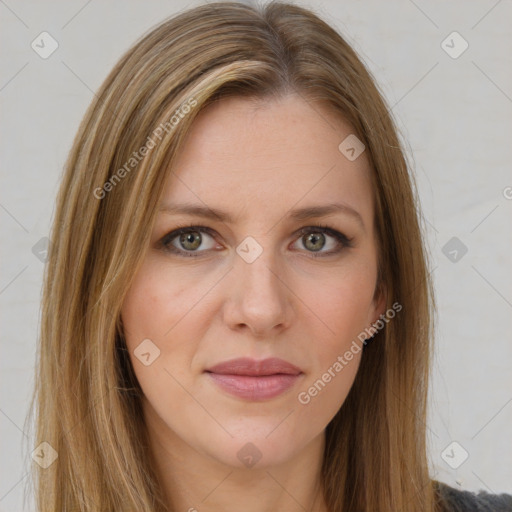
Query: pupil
(314,238)
(191,238)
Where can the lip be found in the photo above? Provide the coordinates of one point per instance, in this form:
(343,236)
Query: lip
(255,380)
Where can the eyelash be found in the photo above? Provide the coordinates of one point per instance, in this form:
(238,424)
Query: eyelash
(165,242)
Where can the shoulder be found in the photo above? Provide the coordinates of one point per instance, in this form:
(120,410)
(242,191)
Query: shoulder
(455,500)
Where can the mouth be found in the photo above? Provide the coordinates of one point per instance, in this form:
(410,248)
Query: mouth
(254,380)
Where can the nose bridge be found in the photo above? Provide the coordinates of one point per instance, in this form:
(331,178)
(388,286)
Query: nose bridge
(259,296)
(256,265)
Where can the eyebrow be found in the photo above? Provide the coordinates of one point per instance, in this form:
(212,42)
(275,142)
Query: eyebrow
(309,212)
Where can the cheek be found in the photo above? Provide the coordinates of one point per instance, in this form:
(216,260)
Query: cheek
(342,304)
(154,317)
(151,314)
(324,393)
(169,306)
(326,387)
(342,309)
(144,313)
(158,302)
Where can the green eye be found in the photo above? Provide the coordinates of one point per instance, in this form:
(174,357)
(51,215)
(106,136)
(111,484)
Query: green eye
(186,241)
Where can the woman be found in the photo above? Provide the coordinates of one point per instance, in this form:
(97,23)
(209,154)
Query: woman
(237,308)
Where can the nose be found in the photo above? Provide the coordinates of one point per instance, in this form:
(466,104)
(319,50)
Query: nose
(258,297)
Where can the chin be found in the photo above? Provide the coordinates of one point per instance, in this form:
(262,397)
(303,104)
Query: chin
(254,455)
(256,444)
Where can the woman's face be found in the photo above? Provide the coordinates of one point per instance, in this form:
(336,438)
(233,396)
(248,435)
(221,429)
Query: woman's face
(262,283)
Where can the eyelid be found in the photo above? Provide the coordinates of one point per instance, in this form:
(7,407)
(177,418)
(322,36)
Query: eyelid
(343,241)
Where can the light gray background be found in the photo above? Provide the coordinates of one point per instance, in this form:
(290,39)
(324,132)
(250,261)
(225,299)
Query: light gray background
(455,114)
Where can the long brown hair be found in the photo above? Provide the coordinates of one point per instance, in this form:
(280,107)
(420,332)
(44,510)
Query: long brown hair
(87,399)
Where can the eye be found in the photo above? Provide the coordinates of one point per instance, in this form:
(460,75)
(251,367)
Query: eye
(187,240)
(314,238)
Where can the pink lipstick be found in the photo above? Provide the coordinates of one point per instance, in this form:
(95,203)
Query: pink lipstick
(255,380)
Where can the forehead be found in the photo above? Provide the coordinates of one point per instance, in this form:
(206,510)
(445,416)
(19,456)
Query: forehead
(263,156)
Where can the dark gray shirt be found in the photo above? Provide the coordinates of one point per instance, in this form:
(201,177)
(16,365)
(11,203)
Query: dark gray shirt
(465,501)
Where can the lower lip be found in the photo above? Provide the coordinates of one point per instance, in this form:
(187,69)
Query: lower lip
(254,388)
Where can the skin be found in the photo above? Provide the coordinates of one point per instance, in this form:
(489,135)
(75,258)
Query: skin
(257,161)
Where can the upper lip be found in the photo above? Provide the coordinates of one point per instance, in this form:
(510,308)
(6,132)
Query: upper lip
(253,367)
